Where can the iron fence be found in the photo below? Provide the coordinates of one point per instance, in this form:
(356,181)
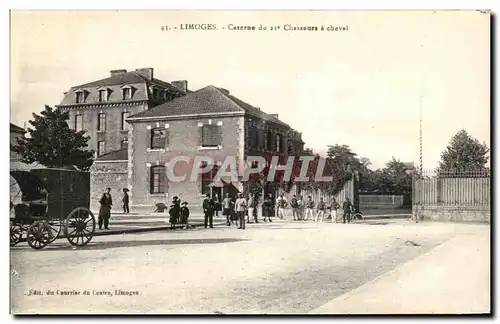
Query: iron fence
(452,187)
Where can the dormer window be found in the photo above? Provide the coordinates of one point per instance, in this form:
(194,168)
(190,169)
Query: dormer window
(103,95)
(126,93)
(80,96)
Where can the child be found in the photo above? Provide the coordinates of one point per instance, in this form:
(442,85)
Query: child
(184,214)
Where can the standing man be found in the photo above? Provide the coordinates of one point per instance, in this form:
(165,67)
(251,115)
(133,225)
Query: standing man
(300,202)
(334,207)
(125,200)
(105,210)
(227,205)
(208,210)
(309,208)
(347,207)
(320,210)
(252,208)
(295,207)
(241,207)
(281,203)
(267,208)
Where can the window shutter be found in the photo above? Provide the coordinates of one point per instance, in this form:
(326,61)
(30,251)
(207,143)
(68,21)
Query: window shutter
(167,138)
(149,138)
(149,176)
(218,135)
(200,136)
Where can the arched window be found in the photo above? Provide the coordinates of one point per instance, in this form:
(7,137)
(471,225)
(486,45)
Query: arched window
(158,179)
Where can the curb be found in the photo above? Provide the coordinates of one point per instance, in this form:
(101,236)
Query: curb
(129,231)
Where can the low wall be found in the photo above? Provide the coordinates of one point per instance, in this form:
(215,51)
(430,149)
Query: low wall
(453,213)
(381,201)
(107,175)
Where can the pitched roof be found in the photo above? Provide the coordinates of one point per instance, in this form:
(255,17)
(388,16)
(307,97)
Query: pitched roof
(117,79)
(168,85)
(205,101)
(119,155)
(16,129)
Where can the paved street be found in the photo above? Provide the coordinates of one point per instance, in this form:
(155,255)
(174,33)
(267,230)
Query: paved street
(282,267)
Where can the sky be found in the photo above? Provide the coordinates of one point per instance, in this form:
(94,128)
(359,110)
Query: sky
(360,87)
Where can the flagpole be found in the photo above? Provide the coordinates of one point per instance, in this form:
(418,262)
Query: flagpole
(420,138)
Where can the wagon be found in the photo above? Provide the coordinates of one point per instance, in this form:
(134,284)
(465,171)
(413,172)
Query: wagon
(50,203)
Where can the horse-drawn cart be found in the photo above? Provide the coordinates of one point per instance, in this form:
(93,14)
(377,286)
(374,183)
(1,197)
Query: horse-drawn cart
(51,201)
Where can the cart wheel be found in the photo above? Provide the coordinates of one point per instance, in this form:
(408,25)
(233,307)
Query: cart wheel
(54,228)
(16,232)
(38,235)
(80,226)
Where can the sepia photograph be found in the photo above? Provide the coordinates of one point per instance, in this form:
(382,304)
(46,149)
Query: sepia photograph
(252,162)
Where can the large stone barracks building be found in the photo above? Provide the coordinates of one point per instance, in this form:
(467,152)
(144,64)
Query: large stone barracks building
(138,123)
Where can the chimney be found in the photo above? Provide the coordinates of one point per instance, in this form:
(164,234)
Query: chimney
(117,72)
(145,73)
(225,91)
(181,84)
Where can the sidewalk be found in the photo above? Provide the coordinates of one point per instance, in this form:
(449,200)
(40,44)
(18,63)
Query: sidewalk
(147,222)
(120,223)
(453,278)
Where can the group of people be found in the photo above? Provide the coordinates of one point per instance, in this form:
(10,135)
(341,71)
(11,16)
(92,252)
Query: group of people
(303,209)
(239,211)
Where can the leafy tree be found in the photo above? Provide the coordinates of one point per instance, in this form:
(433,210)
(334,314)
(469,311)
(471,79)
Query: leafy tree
(464,152)
(397,178)
(52,143)
(343,162)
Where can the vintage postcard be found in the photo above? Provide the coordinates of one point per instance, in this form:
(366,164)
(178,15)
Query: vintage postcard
(250,162)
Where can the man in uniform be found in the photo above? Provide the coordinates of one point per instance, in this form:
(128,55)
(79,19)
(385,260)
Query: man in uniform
(347,208)
(241,207)
(208,210)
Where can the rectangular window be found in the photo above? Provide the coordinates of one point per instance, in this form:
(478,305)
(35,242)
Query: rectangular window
(207,178)
(254,137)
(270,141)
(211,136)
(80,97)
(124,144)
(103,95)
(260,139)
(124,122)
(101,147)
(158,138)
(158,179)
(126,93)
(101,122)
(278,143)
(78,123)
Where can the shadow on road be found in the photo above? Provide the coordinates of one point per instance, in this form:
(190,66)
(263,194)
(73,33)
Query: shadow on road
(117,244)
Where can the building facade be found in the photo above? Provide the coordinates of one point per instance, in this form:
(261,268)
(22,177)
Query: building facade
(138,125)
(208,122)
(101,107)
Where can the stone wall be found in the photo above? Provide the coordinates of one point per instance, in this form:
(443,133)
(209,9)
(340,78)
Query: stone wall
(108,175)
(453,213)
